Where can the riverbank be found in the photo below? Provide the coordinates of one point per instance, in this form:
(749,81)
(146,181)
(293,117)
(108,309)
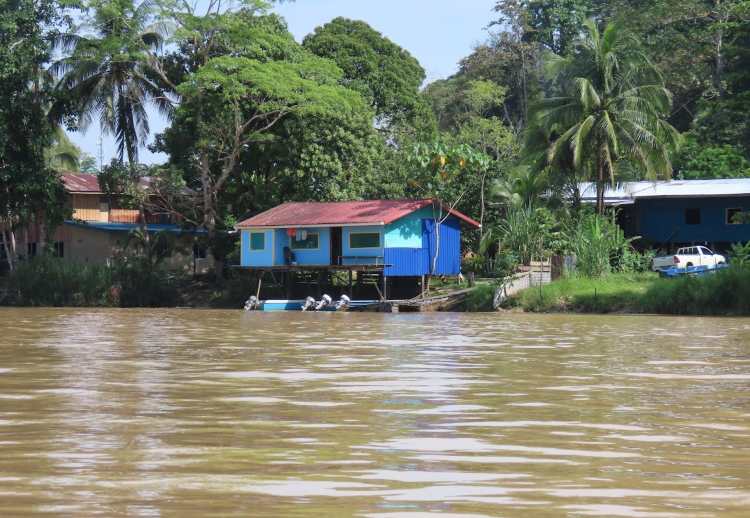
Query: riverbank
(723,293)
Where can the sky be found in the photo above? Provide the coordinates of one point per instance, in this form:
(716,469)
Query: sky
(439,33)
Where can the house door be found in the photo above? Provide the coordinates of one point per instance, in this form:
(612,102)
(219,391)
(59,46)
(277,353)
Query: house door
(336,245)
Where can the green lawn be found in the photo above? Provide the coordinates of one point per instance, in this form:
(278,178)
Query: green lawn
(613,293)
(723,293)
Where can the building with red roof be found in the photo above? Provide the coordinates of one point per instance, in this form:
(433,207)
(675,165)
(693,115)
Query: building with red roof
(98,228)
(400,238)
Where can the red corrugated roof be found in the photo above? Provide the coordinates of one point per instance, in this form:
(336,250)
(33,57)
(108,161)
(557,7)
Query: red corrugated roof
(372,212)
(81,183)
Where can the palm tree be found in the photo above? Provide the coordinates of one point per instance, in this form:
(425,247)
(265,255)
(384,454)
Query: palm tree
(62,154)
(108,75)
(612,108)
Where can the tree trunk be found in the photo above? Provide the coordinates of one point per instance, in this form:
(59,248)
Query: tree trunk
(437,247)
(42,229)
(719,50)
(481,214)
(600,186)
(8,254)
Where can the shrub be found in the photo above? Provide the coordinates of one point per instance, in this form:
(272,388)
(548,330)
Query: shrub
(128,282)
(722,293)
(633,261)
(48,281)
(740,254)
(597,243)
(140,284)
(527,233)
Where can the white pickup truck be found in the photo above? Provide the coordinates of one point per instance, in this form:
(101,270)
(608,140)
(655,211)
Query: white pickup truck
(688,256)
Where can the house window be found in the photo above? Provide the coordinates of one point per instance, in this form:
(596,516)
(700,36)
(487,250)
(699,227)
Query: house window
(31,249)
(692,216)
(734,217)
(59,249)
(200,252)
(305,241)
(364,240)
(257,241)
(103,205)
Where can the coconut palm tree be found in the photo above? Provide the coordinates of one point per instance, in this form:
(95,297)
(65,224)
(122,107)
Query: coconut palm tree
(612,108)
(62,154)
(107,75)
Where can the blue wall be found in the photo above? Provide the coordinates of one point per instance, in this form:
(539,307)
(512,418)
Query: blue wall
(313,257)
(361,255)
(407,262)
(276,240)
(449,258)
(663,220)
(408,245)
(256,257)
(281,240)
(407,231)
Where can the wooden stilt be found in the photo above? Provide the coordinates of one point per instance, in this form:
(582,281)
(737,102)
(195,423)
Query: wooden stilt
(351,293)
(260,282)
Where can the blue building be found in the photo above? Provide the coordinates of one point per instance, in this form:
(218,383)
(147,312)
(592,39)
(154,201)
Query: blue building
(681,212)
(398,237)
(392,238)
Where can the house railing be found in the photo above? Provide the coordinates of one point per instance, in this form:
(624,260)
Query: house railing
(133,217)
(352,260)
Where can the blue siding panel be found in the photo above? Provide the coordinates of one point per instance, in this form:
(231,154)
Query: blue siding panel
(449,258)
(406,262)
(663,220)
(257,257)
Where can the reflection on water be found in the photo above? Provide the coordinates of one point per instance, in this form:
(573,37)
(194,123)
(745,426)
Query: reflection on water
(192,413)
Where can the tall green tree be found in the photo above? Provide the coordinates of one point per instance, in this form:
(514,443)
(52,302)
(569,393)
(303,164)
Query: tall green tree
(386,75)
(108,74)
(233,103)
(611,108)
(30,191)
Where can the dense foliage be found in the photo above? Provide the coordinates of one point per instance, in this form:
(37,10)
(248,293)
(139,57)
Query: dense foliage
(562,91)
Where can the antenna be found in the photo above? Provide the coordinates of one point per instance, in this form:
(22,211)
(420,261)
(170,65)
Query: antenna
(101,150)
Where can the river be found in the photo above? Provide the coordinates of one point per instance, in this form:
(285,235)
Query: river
(197,413)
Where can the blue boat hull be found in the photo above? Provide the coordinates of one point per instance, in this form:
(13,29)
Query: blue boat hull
(691,270)
(296,305)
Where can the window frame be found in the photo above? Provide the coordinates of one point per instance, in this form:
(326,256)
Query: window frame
(727,219)
(697,211)
(250,241)
(292,239)
(379,245)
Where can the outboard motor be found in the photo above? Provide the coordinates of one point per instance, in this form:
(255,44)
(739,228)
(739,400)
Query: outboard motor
(309,304)
(252,303)
(343,303)
(324,303)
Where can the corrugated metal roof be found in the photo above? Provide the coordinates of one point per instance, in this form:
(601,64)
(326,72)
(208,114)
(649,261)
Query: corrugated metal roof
(81,183)
(631,191)
(372,212)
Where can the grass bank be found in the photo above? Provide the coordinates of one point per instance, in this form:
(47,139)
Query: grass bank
(723,293)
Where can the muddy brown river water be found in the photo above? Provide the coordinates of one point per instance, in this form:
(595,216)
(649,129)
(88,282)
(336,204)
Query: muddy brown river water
(205,413)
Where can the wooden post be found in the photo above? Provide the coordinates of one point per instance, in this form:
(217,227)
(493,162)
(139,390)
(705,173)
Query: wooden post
(422,287)
(351,293)
(321,281)
(260,282)
(385,287)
